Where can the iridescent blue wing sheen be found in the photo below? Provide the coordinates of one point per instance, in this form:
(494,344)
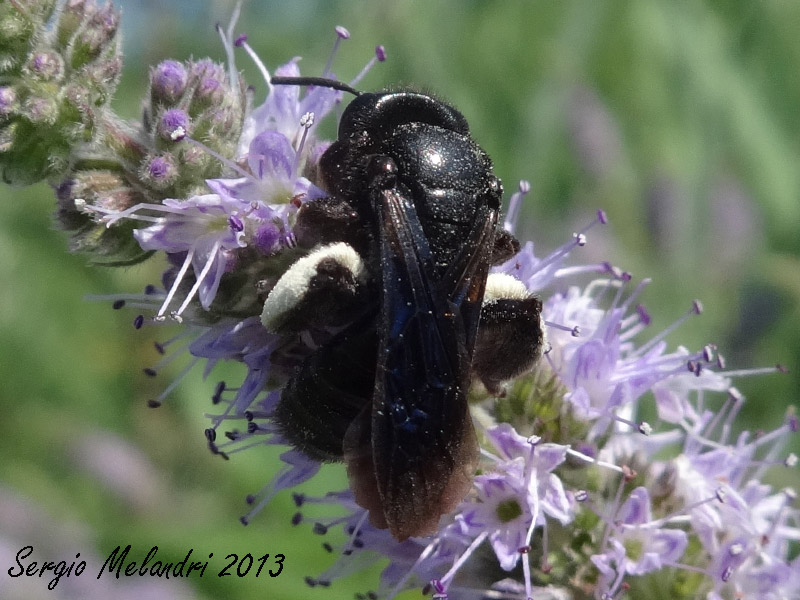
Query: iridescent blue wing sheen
(422,446)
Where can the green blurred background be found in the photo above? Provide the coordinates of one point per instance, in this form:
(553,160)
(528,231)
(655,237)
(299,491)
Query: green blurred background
(679,118)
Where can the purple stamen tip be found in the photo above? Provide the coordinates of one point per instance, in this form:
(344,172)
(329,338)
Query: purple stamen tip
(644,316)
(244,521)
(235,223)
(697,307)
(524,186)
(211,434)
(310,581)
(250,499)
(601,216)
(298,499)
(240,40)
(342,32)
(320,529)
(150,372)
(138,322)
(380,53)
(118,304)
(153,403)
(297,518)
(149,289)
(159,348)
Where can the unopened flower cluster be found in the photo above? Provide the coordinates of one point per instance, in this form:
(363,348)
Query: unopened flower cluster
(576,496)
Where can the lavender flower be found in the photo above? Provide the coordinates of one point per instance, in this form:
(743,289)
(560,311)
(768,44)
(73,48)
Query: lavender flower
(575,493)
(638,545)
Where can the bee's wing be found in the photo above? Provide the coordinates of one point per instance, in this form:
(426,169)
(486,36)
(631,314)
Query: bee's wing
(422,450)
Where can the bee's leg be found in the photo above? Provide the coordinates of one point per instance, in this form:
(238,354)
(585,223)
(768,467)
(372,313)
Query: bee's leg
(324,293)
(504,247)
(324,288)
(328,220)
(328,391)
(511,336)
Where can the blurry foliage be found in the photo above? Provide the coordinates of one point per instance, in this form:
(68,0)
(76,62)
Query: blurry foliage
(678,118)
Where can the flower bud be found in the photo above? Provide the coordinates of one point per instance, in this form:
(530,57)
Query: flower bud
(41,110)
(216,108)
(29,152)
(7,135)
(98,35)
(167,83)
(70,19)
(9,103)
(173,125)
(159,172)
(44,66)
(100,78)
(82,199)
(210,85)
(58,81)
(123,141)
(18,30)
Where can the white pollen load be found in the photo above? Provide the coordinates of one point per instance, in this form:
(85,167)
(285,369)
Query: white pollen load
(293,284)
(501,286)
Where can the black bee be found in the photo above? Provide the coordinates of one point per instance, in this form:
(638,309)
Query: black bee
(398,280)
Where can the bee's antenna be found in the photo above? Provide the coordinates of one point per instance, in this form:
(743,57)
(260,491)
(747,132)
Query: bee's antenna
(319,81)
